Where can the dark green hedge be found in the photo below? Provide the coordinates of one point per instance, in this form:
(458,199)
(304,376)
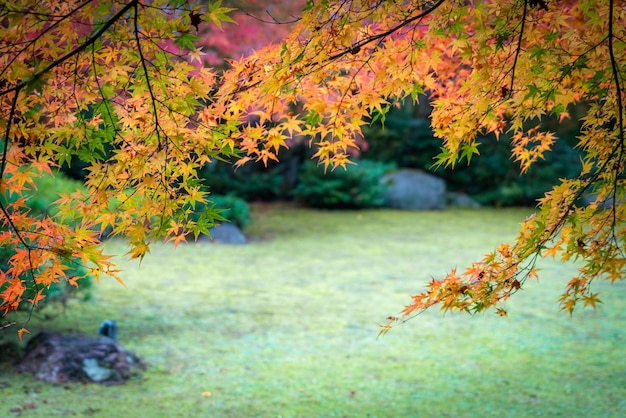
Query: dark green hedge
(357,186)
(492,178)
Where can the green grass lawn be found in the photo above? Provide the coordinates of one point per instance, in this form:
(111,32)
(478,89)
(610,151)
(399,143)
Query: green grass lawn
(286,326)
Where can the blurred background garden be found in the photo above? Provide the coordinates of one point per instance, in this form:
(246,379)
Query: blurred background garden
(285,323)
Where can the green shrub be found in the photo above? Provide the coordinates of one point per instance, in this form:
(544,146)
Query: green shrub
(232,209)
(46,191)
(357,186)
(405,138)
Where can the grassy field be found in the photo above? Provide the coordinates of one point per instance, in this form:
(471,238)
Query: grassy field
(286,327)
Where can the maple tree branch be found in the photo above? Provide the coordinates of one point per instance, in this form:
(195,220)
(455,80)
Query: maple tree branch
(4,210)
(617,149)
(143,60)
(612,161)
(12,225)
(518,50)
(162,143)
(576,196)
(93,38)
(7,133)
(32,277)
(5,11)
(349,86)
(144,67)
(7,325)
(620,118)
(615,71)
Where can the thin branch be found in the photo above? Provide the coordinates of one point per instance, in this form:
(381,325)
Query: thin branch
(519,47)
(388,32)
(7,133)
(620,116)
(145,72)
(615,71)
(13,227)
(157,127)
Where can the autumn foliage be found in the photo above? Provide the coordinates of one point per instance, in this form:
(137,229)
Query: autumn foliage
(100,81)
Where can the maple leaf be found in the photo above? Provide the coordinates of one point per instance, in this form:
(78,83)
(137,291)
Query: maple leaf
(218,14)
(292,125)
(21,331)
(38,297)
(592,300)
(196,55)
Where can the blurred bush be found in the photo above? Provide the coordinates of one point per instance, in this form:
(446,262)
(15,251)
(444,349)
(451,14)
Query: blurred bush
(250,182)
(233,209)
(46,191)
(494,179)
(355,187)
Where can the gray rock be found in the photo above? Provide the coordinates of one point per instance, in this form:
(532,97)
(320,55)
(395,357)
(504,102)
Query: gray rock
(414,190)
(461,200)
(77,358)
(224,234)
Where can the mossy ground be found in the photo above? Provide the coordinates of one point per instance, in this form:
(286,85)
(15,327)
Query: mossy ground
(286,326)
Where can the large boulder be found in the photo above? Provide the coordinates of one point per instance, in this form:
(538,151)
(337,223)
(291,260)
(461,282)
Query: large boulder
(61,358)
(414,190)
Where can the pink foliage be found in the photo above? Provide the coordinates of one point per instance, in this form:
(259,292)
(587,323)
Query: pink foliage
(259,23)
